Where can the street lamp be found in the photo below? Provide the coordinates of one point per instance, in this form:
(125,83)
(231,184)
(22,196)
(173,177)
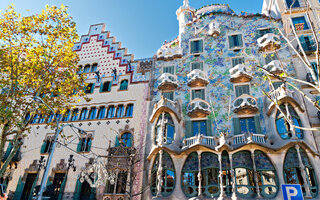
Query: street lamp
(52,147)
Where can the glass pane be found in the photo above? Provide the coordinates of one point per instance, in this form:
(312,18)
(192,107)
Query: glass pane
(241,176)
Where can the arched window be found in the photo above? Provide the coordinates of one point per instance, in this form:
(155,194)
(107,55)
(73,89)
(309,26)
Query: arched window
(243,168)
(101,112)
(86,69)
(293,174)
(110,112)
(283,127)
(168,175)
(210,174)
(189,179)
(120,111)
(267,176)
(83,114)
(92,113)
(66,116)
(129,110)
(75,114)
(94,67)
(168,129)
(105,87)
(124,85)
(126,139)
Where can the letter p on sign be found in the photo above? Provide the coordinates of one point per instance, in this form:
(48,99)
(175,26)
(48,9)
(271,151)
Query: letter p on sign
(292,192)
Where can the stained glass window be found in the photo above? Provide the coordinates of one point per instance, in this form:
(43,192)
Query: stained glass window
(168,131)
(283,127)
(210,174)
(189,175)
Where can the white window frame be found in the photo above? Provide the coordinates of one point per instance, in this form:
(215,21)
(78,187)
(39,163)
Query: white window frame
(195,39)
(305,17)
(173,98)
(236,58)
(265,54)
(168,65)
(204,68)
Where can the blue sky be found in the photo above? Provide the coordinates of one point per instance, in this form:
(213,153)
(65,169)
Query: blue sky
(140,25)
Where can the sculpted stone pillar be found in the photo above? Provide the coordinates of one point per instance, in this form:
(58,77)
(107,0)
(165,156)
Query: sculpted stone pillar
(233,177)
(304,174)
(221,176)
(256,181)
(159,174)
(199,174)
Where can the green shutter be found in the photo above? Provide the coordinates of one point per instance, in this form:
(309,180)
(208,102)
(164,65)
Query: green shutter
(92,88)
(257,124)
(209,127)
(203,96)
(77,191)
(201,45)
(240,40)
(43,147)
(89,144)
(93,194)
(192,94)
(49,182)
(109,88)
(101,86)
(9,149)
(19,189)
(192,44)
(117,142)
(231,43)
(236,126)
(32,188)
(79,146)
(188,129)
(63,185)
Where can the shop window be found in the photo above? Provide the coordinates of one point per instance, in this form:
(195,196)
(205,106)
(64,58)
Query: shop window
(167,175)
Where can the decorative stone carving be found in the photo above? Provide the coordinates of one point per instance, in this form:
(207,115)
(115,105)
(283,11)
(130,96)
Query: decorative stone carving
(269,42)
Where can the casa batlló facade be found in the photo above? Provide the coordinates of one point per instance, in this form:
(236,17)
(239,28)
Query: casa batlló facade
(196,112)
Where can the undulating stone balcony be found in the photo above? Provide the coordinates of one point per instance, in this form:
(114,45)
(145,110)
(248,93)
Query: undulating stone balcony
(114,196)
(197,78)
(169,53)
(167,81)
(210,141)
(280,93)
(245,104)
(214,29)
(239,74)
(274,67)
(269,42)
(198,108)
(248,138)
(165,104)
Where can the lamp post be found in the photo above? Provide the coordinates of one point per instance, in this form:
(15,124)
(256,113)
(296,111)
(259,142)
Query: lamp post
(52,148)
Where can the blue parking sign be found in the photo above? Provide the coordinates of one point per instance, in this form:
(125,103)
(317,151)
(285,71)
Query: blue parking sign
(292,192)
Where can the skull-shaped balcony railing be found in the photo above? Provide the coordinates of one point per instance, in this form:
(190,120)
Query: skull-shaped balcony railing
(169,53)
(214,29)
(197,78)
(198,108)
(245,104)
(167,81)
(274,67)
(269,42)
(239,73)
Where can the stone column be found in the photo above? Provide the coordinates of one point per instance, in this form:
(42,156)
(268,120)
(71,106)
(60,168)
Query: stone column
(255,173)
(115,182)
(304,173)
(221,175)
(233,177)
(199,173)
(159,174)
